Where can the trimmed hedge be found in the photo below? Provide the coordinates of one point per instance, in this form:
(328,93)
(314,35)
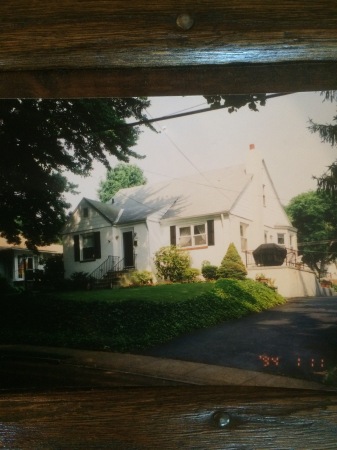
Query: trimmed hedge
(128,325)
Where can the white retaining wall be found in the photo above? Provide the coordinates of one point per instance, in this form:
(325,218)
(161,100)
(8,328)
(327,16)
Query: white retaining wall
(292,282)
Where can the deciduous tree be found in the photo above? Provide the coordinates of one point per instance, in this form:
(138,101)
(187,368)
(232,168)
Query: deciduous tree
(314,215)
(120,177)
(42,139)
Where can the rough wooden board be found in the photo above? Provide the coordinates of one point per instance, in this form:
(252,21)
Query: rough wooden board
(111,48)
(205,80)
(113,33)
(143,418)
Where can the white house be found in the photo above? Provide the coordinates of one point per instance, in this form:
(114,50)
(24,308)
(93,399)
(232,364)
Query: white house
(18,263)
(202,213)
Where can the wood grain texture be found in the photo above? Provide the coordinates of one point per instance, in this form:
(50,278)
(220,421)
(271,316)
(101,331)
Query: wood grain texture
(114,34)
(86,48)
(198,80)
(169,419)
(111,47)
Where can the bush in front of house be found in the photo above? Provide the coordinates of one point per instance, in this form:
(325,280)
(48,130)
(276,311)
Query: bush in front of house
(232,265)
(191,275)
(79,280)
(209,271)
(132,324)
(54,269)
(141,278)
(5,287)
(171,263)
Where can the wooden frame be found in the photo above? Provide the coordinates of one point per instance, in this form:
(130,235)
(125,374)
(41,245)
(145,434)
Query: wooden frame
(87,48)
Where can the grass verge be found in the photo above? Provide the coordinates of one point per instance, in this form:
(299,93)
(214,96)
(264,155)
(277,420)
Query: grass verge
(128,319)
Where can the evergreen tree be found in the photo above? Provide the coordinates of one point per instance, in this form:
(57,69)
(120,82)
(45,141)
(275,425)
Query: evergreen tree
(328,133)
(232,265)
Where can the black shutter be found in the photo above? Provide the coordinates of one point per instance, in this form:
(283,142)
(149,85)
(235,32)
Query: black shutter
(97,240)
(173,237)
(210,232)
(76,247)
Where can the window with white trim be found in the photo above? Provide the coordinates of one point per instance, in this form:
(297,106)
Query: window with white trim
(193,235)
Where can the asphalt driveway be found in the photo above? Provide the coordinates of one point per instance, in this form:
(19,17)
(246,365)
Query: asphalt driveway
(298,339)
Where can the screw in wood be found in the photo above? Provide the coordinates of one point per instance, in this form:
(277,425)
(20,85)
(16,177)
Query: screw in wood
(185,22)
(221,419)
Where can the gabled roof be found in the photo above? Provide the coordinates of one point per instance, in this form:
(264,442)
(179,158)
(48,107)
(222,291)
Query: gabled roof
(109,211)
(52,248)
(197,195)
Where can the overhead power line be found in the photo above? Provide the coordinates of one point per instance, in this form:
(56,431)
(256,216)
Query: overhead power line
(190,113)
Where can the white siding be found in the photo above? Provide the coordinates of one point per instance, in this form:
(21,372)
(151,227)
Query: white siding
(79,223)
(260,206)
(108,248)
(211,253)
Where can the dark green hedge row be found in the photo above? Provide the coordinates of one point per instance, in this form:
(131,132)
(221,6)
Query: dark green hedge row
(128,325)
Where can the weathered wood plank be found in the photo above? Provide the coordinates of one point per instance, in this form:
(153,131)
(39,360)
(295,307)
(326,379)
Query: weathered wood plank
(171,418)
(116,48)
(110,47)
(114,34)
(205,80)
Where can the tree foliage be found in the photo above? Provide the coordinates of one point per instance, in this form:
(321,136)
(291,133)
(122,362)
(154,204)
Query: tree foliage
(232,265)
(315,217)
(328,133)
(235,102)
(42,139)
(120,177)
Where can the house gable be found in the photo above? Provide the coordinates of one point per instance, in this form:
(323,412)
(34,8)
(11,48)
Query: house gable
(90,215)
(258,214)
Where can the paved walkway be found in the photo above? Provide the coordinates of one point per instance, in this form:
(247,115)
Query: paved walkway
(181,372)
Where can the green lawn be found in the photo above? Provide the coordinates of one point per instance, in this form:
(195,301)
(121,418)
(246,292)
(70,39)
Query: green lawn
(162,292)
(128,319)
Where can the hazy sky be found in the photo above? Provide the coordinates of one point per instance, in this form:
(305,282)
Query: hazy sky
(216,139)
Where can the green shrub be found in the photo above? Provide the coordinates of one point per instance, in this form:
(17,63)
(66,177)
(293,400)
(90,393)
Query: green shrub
(5,287)
(232,265)
(54,269)
(191,274)
(80,280)
(141,278)
(171,263)
(131,324)
(210,272)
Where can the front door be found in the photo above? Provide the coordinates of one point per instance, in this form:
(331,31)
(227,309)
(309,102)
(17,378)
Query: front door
(128,249)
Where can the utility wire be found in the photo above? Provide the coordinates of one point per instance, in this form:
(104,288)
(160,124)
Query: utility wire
(191,162)
(190,113)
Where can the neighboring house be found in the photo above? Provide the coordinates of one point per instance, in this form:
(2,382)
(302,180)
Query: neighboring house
(202,213)
(17,263)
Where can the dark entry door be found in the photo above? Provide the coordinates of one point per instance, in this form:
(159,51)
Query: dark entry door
(128,249)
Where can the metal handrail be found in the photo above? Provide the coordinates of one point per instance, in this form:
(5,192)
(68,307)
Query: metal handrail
(111,265)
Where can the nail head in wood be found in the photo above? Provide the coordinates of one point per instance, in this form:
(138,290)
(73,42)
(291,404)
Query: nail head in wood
(221,419)
(185,22)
